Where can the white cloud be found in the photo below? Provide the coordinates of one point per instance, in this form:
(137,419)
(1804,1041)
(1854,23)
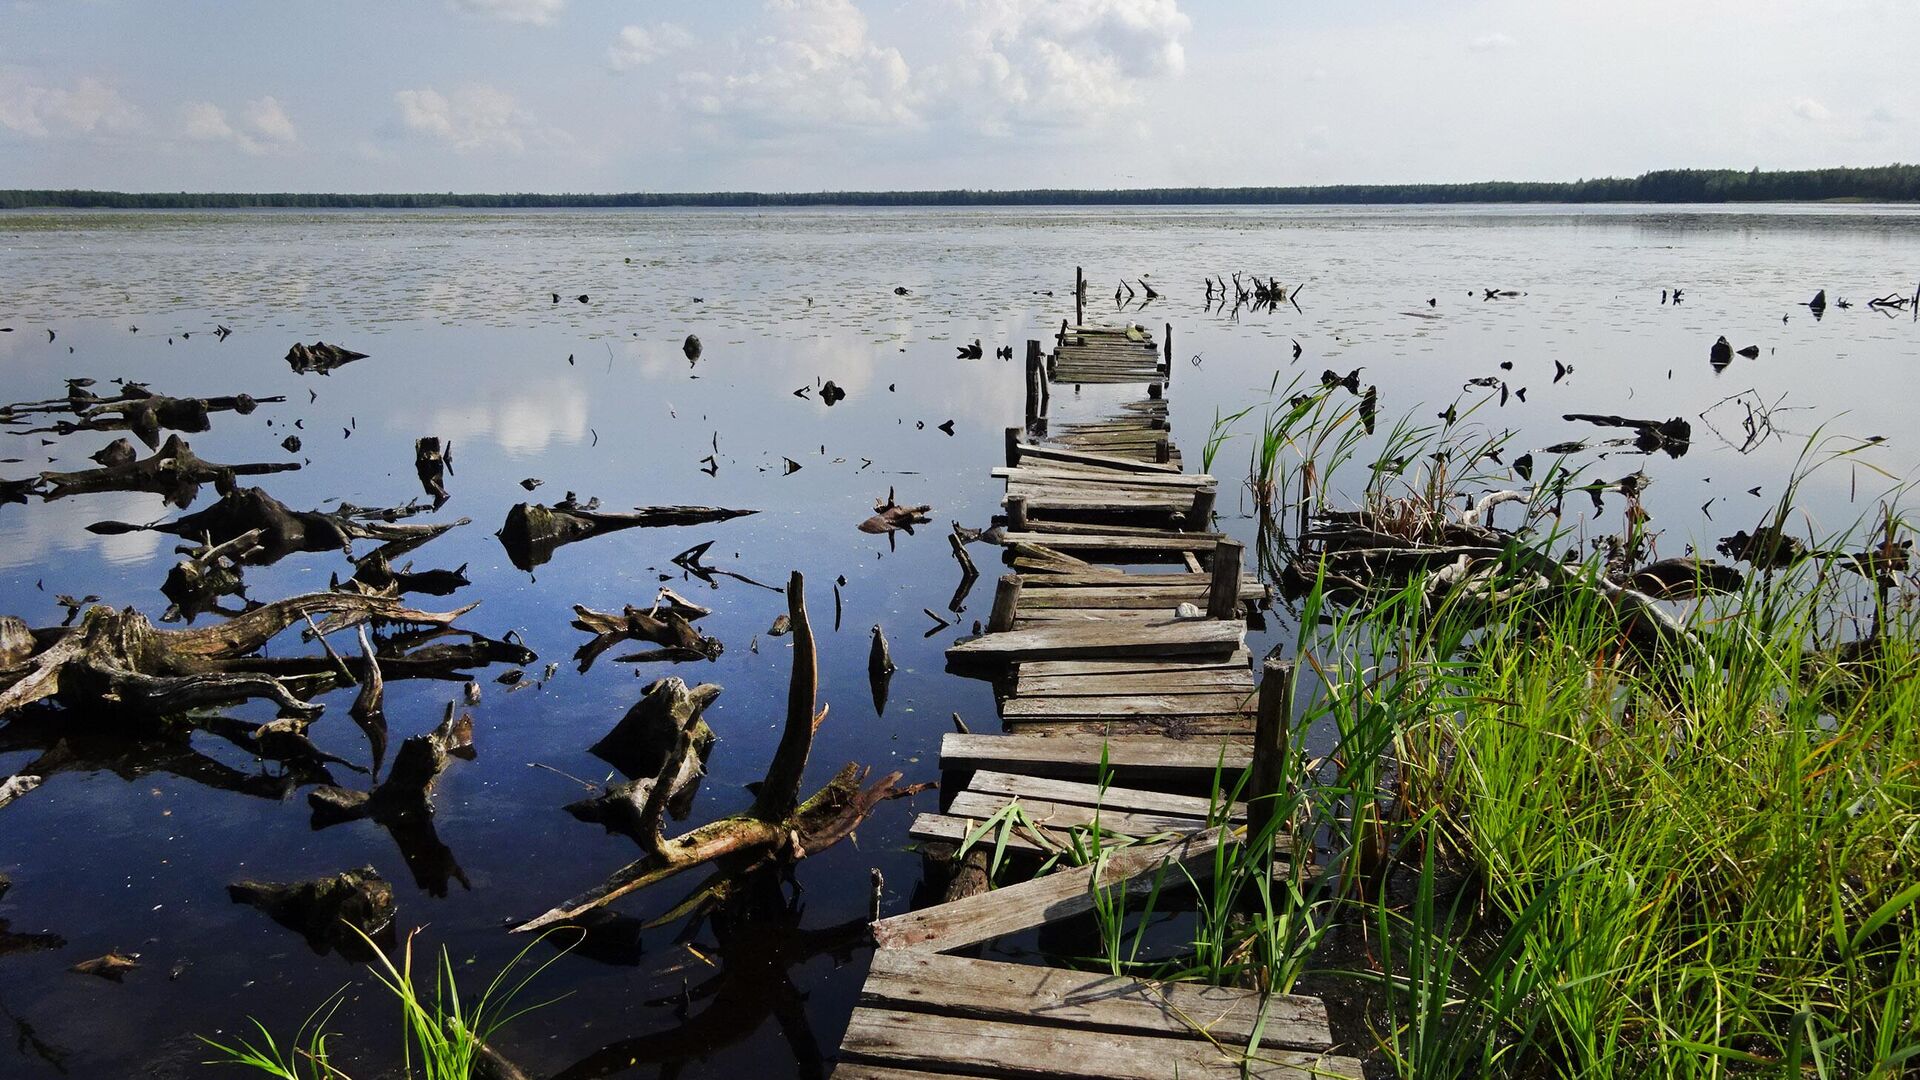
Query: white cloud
(1811,110)
(86,107)
(537,12)
(1493,42)
(639,45)
(269,121)
(265,125)
(815,71)
(206,121)
(472,118)
(1069,62)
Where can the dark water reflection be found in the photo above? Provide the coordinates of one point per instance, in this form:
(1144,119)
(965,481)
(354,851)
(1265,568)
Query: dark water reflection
(130,845)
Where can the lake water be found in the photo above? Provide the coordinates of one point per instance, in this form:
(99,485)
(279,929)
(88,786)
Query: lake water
(133,852)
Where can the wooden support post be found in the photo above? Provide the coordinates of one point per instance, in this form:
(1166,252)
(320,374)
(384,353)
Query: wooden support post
(1013,447)
(1223,589)
(1169,347)
(1200,515)
(1163,451)
(1017,513)
(1034,381)
(1153,390)
(1005,599)
(1079,297)
(1272,742)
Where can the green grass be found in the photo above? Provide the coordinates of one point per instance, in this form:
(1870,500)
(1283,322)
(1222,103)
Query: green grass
(1573,848)
(443,1036)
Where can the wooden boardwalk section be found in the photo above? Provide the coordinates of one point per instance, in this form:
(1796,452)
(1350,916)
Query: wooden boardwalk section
(1125,688)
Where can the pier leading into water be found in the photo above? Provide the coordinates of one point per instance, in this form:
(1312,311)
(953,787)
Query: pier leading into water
(1125,692)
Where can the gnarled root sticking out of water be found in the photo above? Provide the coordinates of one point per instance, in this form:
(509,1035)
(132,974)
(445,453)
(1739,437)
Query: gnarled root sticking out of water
(780,827)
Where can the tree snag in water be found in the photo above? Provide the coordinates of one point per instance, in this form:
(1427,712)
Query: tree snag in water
(174,472)
(119,659)
(533,532)
(779,827)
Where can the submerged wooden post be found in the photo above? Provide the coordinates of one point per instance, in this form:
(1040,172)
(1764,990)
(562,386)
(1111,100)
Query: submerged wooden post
(1017,513)
(1005,599)
(1013,447)
(1223,589)
(1079,297)
(1169,347)
(1201,513)
(1272,742)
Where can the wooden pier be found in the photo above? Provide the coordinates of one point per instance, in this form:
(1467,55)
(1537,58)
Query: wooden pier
(1124,689)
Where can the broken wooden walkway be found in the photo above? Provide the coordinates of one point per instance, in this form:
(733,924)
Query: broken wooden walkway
(1126,693)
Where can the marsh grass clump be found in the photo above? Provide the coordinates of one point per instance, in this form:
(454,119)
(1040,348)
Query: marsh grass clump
(1586,814)
(444,1036)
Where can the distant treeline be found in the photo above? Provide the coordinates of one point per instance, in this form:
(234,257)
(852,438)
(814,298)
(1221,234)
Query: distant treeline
(1887,183)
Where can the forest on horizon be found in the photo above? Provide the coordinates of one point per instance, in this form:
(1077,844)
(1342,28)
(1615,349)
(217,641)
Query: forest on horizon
(1885,183)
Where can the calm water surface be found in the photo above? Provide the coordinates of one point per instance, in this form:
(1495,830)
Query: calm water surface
(134,852)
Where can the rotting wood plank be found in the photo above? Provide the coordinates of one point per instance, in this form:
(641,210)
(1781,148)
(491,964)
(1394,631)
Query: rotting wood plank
(1214,681)
(1146,541)
(1085,1001)
(1050,815)
(1113,503)
(1040,474)
(1167,727)
(1240,659)
(1060,895)
(1104,706)
(1149,638)
(1131,758)
(929,1040)
(1008,784)
(1058,616)
(1100,528)
(1054,453)
(1144,582)
(1127,597)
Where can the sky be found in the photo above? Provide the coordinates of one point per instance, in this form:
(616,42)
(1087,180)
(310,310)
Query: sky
(805,95)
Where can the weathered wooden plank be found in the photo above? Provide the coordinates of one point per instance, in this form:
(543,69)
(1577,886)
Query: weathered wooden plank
(1135,581)
(1050,815)
(986,1048)
(1160,726)
(1133,759)
(1064,502)
(1084,1001)
(854,1070)
(1039,474)
(1060,895)
(1220,703)
(1215,681)
(1098,528)
(1011,785)
(1109,639)
(1147,541)
(1051,453)
(1240,659)
(1120,597)
(1056,616)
